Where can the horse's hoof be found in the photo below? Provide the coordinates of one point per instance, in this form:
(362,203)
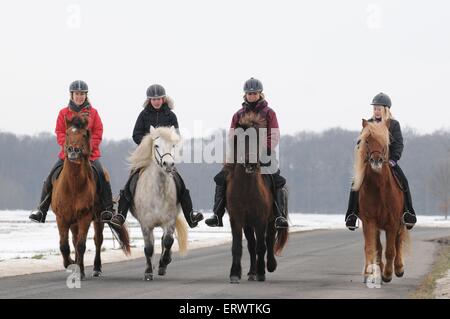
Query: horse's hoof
(234,280)
(97,273)
(386,279)
(271,265)
(261,277)
(148,277)
(162,271)
(251,277)
(399,274)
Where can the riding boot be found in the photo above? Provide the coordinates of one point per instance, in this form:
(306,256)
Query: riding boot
(219,207)
(281,208)
(125,199)
(409,215)
(46,195)
(105,193)
(42,209)
(351,217)
(185,200)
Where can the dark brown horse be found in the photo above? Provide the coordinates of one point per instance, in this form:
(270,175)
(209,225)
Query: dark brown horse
(381,203)
(250,203)
(75,201)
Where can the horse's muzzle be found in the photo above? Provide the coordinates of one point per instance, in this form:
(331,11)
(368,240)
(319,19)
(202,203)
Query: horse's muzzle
(376,164)
(74,153)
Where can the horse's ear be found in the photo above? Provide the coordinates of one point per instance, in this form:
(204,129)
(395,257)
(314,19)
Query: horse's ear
(152,128)
(364,123)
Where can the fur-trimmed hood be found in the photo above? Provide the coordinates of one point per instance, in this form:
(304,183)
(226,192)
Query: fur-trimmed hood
(168,101)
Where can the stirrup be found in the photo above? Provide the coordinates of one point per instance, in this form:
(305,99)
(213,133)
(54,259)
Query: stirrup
(409,226)
(283,219)
(117,220)
(106,216)
(352,227)
(214,221)
(196,216)
(33,217)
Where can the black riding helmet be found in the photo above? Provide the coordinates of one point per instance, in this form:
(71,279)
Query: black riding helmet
(253,85)
(382,99)
(78,86)
(156,91)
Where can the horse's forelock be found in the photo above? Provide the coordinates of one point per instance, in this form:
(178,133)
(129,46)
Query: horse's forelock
(380,133)
(79,122)
(252,119)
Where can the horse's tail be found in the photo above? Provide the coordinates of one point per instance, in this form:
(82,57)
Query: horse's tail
(281,240)
(406,239)
(282,233)
(122,236)
(182,234)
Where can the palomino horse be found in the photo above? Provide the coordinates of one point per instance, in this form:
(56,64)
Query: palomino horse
(381,202)
(155,200)
(74,199)
(250,204)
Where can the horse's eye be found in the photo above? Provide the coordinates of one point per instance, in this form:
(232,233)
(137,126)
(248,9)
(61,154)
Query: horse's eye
(156,146)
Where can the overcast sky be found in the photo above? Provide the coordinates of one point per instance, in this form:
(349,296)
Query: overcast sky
(321,62)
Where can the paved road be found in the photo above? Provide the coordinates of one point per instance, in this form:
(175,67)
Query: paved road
(317,264)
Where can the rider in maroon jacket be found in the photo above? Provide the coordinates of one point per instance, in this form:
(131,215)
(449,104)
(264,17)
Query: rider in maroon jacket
(254,101)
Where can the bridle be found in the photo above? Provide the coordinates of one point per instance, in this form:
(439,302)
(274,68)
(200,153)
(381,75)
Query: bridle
(158,157)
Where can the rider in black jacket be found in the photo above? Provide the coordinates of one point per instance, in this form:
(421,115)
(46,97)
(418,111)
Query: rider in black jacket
(157,112)
(382,104)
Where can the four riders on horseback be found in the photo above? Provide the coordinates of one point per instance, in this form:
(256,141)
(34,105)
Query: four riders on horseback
(158,112)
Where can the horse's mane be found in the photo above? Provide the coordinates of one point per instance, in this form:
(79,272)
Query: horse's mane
(378,131)
(142,156)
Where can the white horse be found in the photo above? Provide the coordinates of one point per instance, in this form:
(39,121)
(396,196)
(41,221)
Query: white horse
(155,200)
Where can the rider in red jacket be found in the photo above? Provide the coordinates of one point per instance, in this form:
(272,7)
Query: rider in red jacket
(78,104)
(254,101)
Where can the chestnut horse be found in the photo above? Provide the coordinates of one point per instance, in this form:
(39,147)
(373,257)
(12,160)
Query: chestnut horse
(75,201)
(381,203)
(250,204)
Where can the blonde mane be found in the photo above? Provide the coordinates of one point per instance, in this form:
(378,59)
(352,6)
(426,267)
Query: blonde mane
(378,131)
(143,156)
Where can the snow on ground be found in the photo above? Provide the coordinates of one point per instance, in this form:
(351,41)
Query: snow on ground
(27,247)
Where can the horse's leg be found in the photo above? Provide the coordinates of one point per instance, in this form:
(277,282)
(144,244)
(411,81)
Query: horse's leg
(236,269)
(379,251)
(251,245)
(98,239)
(148,250)
(399,265)
(370,231)
(390,253)
(261,252)
(74,231)
(83,228)
(270,243)
(64,246)
(166,255)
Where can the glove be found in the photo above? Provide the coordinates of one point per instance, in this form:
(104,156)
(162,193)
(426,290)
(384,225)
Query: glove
(392,163)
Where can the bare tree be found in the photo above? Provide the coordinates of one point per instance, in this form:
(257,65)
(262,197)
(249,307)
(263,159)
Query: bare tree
(440,186)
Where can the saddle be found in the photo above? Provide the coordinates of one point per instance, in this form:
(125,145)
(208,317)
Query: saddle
(59,169)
